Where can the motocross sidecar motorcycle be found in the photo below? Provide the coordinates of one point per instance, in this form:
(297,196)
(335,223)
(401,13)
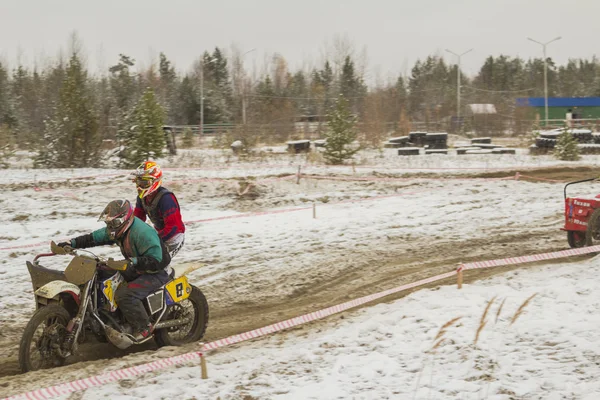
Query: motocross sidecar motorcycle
(582,218)
(80,302)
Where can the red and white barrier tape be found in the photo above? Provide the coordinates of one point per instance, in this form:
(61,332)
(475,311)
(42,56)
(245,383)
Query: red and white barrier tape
(526,259)
(100,380)
(368,179)
(245,215)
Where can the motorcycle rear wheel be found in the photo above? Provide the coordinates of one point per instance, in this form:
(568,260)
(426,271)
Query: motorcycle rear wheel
(191,332)
(53,320)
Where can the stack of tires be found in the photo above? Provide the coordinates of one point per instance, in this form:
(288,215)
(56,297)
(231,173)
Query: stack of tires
(298,146)
(547,139)
(436,141)
(588,148)
(481,140)
(417,138)
(398,142)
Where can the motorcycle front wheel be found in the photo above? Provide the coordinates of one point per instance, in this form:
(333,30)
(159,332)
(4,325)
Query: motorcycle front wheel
(44,333)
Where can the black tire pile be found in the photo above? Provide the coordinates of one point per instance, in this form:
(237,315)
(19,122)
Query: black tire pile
(589,142)
(433,143)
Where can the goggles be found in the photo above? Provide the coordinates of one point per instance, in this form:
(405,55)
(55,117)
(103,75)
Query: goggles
(115,223)
(143,183)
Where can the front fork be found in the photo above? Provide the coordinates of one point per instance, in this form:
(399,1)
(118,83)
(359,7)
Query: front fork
(75,325)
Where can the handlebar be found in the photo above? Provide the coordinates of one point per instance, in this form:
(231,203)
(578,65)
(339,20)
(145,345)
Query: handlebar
(67,250)
(572,183)
(43,255)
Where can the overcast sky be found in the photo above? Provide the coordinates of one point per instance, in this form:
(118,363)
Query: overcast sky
(395,33)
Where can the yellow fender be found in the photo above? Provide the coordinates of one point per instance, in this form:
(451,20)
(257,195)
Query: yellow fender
(181,270)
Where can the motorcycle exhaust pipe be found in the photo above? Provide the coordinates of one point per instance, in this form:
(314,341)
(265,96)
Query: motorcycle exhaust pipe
(171,324)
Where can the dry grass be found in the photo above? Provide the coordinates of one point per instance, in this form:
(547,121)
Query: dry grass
(483,320)
(522,308)
(439,338)
(499,311)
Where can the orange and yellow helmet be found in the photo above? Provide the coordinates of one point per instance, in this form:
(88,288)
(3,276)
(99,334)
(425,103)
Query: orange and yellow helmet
(147,178)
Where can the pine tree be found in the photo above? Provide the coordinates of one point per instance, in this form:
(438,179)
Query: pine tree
(340,134)
(145,139)
(351,85)
(168,84)
(7,145)
(188,99)
(218,92)
(188,138)
(566,147)
(7,116)
(123,84)
(71,137)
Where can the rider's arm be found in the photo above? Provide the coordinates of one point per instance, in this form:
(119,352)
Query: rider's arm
(139,210)
(152,254)
(96,238)
(171,217)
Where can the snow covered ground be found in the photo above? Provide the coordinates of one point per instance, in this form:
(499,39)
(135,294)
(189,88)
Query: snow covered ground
(368,236)
(551,351)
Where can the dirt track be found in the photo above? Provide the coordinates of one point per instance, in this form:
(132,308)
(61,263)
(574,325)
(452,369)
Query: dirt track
(366,271)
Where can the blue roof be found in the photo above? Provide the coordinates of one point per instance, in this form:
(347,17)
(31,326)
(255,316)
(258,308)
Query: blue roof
(559,102)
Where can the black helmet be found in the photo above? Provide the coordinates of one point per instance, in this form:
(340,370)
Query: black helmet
(118,216)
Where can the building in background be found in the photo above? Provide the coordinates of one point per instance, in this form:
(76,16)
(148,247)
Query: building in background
(561,109)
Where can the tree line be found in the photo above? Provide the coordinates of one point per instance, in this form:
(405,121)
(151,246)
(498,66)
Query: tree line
(64,113)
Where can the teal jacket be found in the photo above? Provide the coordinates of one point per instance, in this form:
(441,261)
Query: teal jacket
(140,244)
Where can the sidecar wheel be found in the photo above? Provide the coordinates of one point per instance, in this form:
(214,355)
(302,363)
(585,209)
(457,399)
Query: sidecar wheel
(576,239)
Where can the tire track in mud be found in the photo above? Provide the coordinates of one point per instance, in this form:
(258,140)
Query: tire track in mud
(386,268)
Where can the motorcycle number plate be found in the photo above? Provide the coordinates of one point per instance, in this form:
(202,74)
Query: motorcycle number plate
(109,287)
(179,289)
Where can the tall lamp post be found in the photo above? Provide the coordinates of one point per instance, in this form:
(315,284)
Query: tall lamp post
(244,90)
(545,73)
(458,81)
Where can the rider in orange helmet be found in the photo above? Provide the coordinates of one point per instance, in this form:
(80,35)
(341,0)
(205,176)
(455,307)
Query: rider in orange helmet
(160,205)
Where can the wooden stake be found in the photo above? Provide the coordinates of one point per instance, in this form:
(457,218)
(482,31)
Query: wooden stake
(459,278)
(298,176)
(204,372)
(314,211)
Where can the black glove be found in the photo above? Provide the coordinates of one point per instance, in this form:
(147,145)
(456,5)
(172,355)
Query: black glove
(64,244)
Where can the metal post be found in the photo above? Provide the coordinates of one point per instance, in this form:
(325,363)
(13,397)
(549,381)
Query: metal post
(545,75)
(458,89)
(458,81)
(202,100)
(244,106)
(545,86)
(244,88)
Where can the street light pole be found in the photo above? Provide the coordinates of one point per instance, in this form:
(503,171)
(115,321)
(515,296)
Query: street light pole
(545,73)
(202,100)
(458,81)
(244,90)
